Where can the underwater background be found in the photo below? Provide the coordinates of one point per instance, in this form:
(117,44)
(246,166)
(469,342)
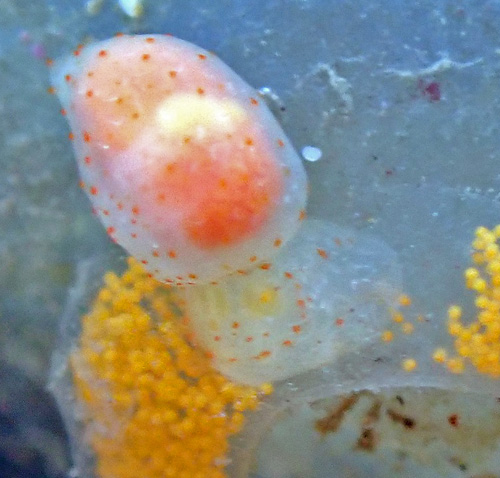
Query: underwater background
(402,98)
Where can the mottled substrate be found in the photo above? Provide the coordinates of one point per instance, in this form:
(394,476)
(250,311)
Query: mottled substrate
(151,402)
(401,433)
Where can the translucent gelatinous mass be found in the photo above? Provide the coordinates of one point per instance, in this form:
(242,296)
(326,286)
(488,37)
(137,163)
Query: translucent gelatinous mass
(329,291)
(185,166)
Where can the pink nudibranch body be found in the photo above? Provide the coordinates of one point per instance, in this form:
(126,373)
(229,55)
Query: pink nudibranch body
(184,164)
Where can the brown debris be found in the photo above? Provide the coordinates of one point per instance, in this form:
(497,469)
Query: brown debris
(367,440)
(333,420)
(407,422)
(368,437)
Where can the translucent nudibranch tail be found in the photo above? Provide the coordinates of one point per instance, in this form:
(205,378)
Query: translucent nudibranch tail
(329,291)
(184,165)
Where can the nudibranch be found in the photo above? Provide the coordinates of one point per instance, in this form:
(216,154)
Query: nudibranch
(184,164)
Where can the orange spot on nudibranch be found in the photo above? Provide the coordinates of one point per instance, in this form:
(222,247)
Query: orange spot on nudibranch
(296,329)
(209,354)
(223,183)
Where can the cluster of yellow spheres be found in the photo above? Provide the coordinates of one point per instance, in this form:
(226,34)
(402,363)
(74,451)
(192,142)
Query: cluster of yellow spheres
(478,340)
(153,405)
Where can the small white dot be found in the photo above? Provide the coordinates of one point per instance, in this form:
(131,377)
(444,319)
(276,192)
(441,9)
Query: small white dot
(311,153)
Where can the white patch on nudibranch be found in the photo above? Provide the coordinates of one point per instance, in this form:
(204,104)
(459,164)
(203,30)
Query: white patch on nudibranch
(189,115)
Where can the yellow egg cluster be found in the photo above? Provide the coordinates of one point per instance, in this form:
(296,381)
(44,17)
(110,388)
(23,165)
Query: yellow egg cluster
(479,340)
(152,405)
